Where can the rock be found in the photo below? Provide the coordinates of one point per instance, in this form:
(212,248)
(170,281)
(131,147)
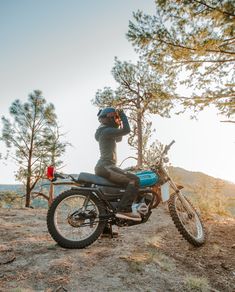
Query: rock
(7,255)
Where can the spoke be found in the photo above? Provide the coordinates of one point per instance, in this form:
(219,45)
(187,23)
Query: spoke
(67,220)
(192,225)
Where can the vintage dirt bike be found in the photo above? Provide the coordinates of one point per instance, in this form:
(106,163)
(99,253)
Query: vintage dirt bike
(77,217)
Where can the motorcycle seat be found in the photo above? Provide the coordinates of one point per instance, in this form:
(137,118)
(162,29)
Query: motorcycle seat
(86,177)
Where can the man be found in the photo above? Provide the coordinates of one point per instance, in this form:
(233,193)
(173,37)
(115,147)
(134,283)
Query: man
(114,125)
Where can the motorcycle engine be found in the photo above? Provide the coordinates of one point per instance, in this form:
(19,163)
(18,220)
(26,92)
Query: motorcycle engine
(142,205)
(141,208)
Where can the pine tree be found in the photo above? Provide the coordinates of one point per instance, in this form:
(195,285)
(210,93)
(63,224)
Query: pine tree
(32,138)
(140,92)
(195,38)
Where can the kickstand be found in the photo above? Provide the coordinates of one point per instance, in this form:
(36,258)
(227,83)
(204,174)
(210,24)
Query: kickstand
(111,230)
(108,231)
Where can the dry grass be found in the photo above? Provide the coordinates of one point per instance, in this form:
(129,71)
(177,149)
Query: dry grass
(160,259)
(153,245)
(212,204)
(199,284)
(138,260)
(155,241)
(61,266)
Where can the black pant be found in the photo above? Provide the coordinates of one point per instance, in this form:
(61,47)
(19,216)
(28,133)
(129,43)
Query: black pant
(122,178)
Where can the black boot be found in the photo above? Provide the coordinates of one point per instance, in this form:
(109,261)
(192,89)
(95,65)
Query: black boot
(124,210)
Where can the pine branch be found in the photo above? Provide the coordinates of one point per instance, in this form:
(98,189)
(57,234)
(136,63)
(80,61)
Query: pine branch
(38,125)
(193,49)
(39,194)
(19,147)
(17,160)
(229,121)
(21,136)
(214,8)
(203,61)
(35,182)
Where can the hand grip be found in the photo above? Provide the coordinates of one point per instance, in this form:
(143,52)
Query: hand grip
(172,142)
(167,147)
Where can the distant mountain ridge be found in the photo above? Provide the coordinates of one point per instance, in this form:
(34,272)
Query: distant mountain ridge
(12,187)
(192,180)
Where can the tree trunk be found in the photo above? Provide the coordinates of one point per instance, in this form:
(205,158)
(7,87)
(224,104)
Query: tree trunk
(28,183)
(28,191)
(140,136)
(51,194)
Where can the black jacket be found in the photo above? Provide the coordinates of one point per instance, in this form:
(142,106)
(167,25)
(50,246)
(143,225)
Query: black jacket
(107,137)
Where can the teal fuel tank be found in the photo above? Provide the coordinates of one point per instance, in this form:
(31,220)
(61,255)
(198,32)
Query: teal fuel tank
(147,178)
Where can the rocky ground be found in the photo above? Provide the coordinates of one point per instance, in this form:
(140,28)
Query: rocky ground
(148,257)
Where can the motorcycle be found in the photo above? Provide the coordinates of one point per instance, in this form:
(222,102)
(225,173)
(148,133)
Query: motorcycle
(78,216)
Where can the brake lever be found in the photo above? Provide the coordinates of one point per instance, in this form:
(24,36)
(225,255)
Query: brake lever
(73,179)
(167,147)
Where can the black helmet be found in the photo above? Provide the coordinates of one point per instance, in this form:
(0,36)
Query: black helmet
(109,116)
(105,112)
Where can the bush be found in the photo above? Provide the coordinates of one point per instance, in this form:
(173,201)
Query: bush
(199,284)
(10,199)
(212,204)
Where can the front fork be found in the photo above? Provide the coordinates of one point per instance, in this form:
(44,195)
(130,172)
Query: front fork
(178,192)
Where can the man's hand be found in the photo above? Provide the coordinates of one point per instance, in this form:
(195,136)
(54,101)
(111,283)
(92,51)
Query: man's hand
(120,112)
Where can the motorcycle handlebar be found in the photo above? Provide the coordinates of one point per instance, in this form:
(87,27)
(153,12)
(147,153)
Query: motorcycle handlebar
(167,147)
(172,142)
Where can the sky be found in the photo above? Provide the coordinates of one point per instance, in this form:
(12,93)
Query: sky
(66,49)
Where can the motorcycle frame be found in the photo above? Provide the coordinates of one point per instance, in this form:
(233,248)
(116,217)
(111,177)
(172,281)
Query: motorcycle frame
(98,192)
(94,189)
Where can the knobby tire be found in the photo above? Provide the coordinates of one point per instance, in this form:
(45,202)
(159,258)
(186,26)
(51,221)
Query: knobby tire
(66,243)
(181,227)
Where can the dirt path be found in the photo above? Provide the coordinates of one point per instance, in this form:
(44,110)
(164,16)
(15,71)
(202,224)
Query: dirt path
(149,257)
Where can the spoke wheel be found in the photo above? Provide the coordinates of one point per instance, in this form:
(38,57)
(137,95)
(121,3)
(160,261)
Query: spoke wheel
(70,224)
(189,224)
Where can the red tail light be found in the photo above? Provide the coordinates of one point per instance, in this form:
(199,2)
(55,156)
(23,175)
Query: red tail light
(50,172)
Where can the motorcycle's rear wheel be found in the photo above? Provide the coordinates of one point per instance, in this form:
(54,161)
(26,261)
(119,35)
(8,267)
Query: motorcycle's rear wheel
(71,226)
(189,224)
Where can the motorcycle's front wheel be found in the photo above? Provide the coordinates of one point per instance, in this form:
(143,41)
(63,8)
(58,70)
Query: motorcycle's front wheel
(73,220)
(189,224)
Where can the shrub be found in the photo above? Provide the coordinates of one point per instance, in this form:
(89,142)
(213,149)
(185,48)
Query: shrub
(193,283)
(212,204)
(10,199)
